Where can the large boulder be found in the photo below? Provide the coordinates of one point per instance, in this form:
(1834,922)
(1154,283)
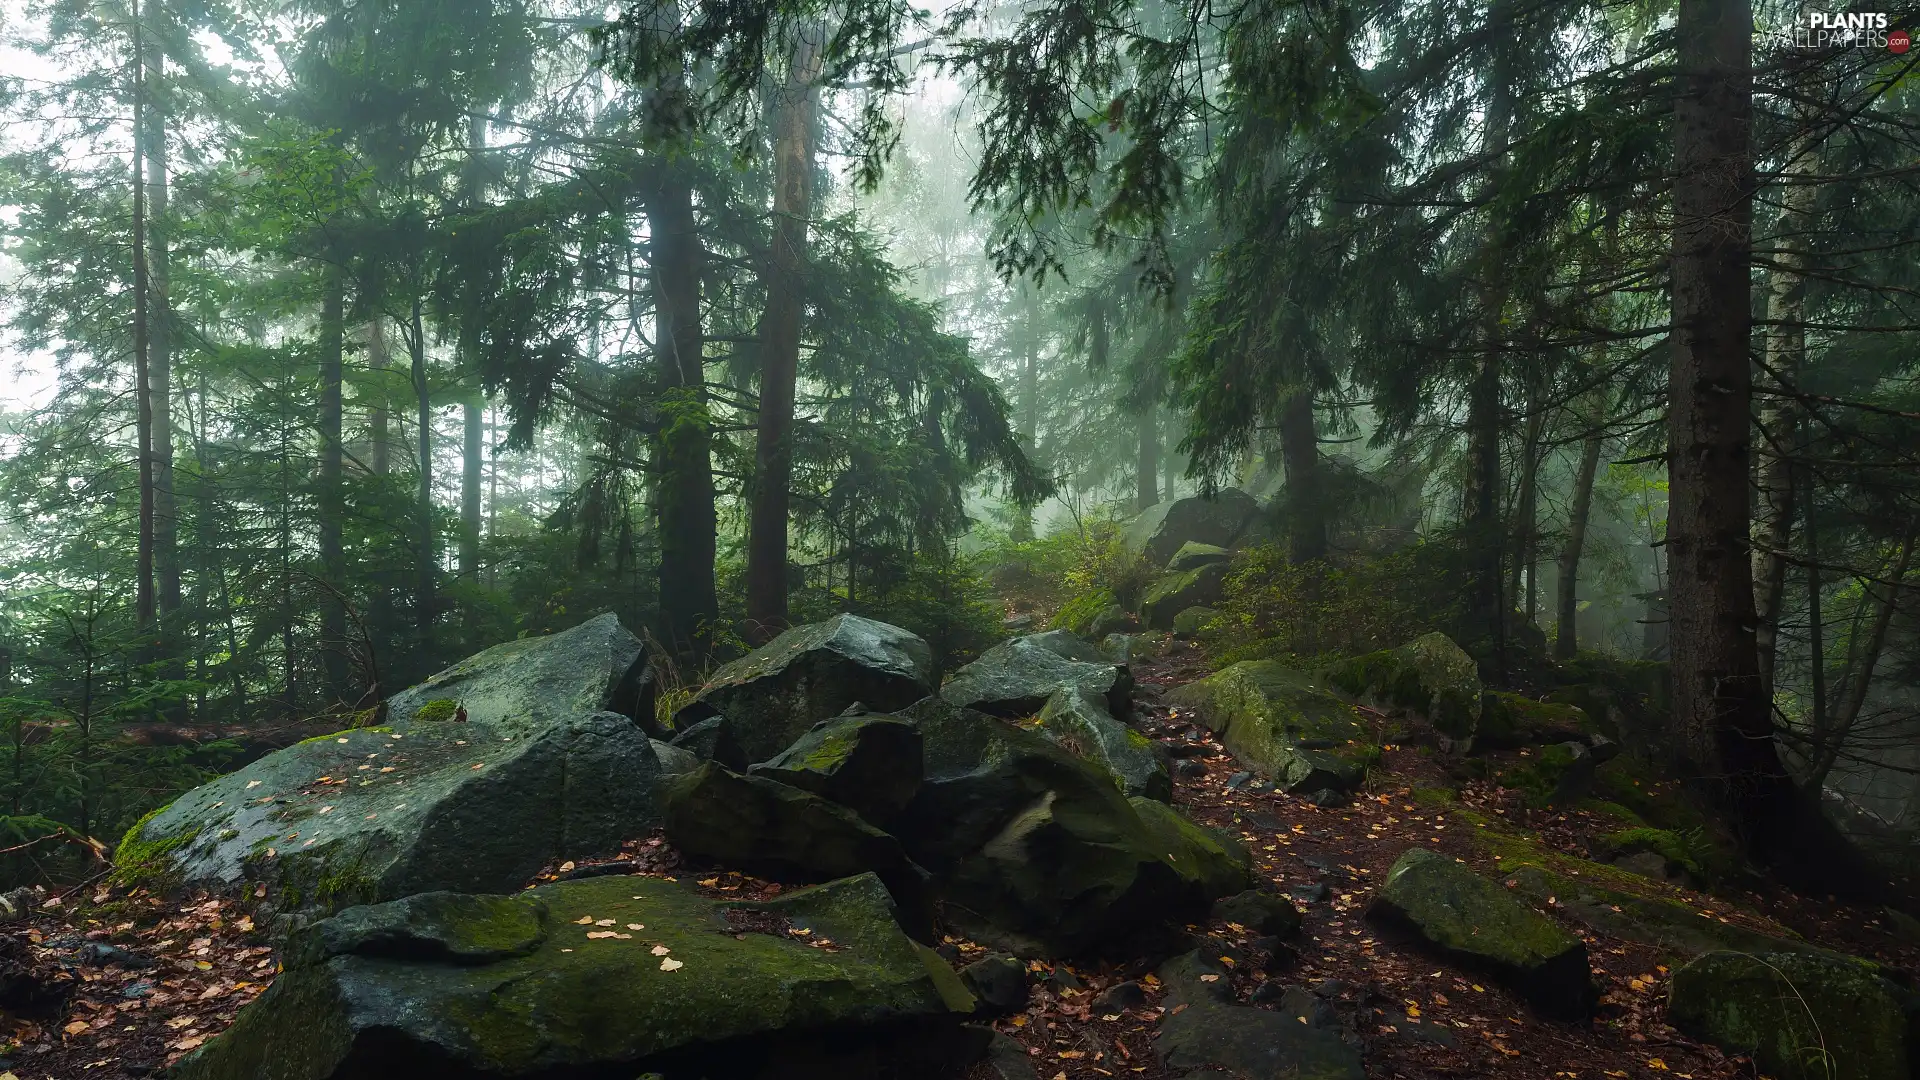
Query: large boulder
(775,693)
(1473,920)
(611,976)
(1800,1016)
(1193,556)
(521,686)
(1204,1029)
(871,763)
(1036,851)
(767,828)
(1429,675)
(1170,594)
(1015,678)
(1285,723)
(377,813)
(1079,722)
(1161,530)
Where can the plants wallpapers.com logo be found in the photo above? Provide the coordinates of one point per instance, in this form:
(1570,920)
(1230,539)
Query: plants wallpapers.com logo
(1847,30)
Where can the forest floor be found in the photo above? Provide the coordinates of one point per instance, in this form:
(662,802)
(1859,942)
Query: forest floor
(147,980)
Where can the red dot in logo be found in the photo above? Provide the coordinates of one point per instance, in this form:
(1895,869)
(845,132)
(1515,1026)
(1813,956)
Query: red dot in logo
(1899,41)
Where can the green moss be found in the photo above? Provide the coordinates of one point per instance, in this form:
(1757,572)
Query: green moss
(140,862)
(1078,614)
(1508,719)
(1434,797)
(1138,741)
(1675,847)
(833,751)
(435,710)
(1538,775)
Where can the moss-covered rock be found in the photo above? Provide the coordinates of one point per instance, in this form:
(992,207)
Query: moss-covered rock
(1172,593)
(1091,615)
(374,814)
(1038,852)
(1219,864)
(1193,555)
(1429,675)
(1079,723)
(1509,720)
(810,673)
(1015,678)
(1193,621)
(625,976)
(1161,530)
(1557,775)
(871,763)
(521,686)
(1285,723)
(1801,1017)
(768,828)
(1475,921)
(1204,1031)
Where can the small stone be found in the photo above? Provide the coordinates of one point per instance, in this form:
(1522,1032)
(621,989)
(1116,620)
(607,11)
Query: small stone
(1190,769)
(1120,997)
(1238,780)
(1263,913)
(1316,893)
(998,984)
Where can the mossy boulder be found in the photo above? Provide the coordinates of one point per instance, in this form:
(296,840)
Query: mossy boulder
(1079,722)
(810,673)
(1429,675)
(1194,555)
(871,763)
(615,976)
(374,814)
(1509,721)
(1091,615)
(1172,593)
(1160,531)
(1800,1017)
(768,828)
(1557,775)
(1476,922)
(1038,852)
(1193,621)
(1206,1032)
(1015,678)
(1284,722)
(521,686)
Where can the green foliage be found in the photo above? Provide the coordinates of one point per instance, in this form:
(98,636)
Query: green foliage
(939,597)
(1333,607)
(1080,613)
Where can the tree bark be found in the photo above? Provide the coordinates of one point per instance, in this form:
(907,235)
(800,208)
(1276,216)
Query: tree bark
(470,478)
(1566,642)
(166,547)
(330,506)
(377,362)
(1306,504)
(1526,512)
(1785,352)
(143,389)
(1029,397)
(1146,470)
(780,340)
(423,416)
(1723,739)
(1481,526)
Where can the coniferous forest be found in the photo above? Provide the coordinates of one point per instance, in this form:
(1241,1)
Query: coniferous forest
(826,538)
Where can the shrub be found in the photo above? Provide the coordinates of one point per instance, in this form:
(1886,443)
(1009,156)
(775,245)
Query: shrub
(1339,606)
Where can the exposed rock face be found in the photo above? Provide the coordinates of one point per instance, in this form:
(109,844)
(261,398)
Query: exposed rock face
(870,763)
(1475,921)
(1202,586)
(1429,675)
(1161,530)
(768,828)
(1261,912)
(1015,678)
(377,813)
(1801,1017)
(810,673)
(1211,1032)
(1193,556)
(1285,723)
(1036,851)
(606,976)
(1664,924)
(1079,722)
(521,686)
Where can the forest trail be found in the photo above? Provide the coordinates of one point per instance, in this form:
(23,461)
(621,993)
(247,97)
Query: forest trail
(153,980)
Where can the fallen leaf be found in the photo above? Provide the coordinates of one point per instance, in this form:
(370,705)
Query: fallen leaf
(603,922)
(76,1027)
(661,950)
(188,1043)
(1209,978)
(600,934)
(635,926)
(670,964)
(584,920)
(1656,1063)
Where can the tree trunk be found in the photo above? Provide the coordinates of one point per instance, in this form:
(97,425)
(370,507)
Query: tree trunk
(1146,471)
(1306,505)
(1785,351)
(377,362)
(1029,398)
(1723,731)
(166,547)
(330,506)
(780,340)
(1526,510)
(143,390)
(1566,642)
(1481,524)
(470,478)
(423,416)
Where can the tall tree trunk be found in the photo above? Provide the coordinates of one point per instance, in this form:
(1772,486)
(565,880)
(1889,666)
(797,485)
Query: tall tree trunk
(780,340)
(1566,642)
(1723,730)
(330,506)
(427,554)
(142,391)
(470,478)
(1306,504)
(1029,398)
(1146,471)
(166,547)
(1526,510)
(1785,352)
(689,521)
(1481,525)
(378,360)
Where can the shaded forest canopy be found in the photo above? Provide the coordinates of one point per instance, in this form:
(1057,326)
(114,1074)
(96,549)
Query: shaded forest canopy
(355,338)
